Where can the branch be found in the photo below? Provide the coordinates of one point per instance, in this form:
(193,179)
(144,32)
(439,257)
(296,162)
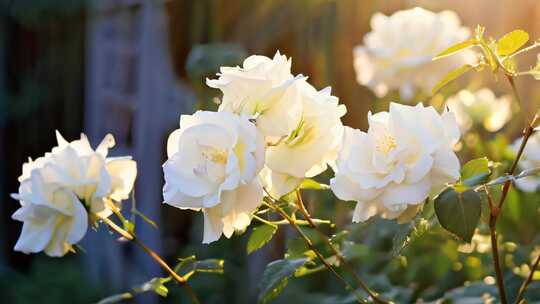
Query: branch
(270,203)
(285,222)
(336,251)
(496,209)
(180,280)
(528,280)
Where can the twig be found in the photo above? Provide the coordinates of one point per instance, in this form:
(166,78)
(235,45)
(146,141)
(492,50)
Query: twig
(514,89)
(341,258)
(292,221)
(180,280)
(523,50)
(285,222)
(528,280)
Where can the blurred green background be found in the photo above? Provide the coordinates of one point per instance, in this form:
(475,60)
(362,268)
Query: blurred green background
(45,67)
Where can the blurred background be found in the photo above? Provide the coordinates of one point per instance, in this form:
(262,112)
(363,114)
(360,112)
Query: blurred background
(131,67)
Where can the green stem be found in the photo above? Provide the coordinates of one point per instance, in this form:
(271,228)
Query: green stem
(285,222)
(514,89)
(292,221)
(180,280)
(260,219)
(336,251)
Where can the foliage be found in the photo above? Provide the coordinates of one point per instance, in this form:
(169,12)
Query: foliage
(53,276)
(381,260)
(260,236)
(276,276)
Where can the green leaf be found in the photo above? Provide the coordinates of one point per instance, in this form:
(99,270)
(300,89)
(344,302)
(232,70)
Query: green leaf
(458,212)
(260,236)
(296,248)
(183,262)
(191,265)
(353,251)
(309,183)
(455,48)
(276,277)
(475,172)
(451,76)
(511,42)
(161,290)
(210,266)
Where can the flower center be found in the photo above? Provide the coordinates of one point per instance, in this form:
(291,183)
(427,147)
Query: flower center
(218,156)
(303,133)
(386,144)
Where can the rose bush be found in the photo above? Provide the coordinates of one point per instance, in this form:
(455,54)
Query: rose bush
(275,135)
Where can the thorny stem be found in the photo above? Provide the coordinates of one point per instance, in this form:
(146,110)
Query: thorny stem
(180,280)
(292,221)
(495,210)
(341,258)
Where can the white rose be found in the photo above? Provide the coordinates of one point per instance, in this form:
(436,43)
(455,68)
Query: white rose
(310,147)
(398,52)
(404,157)
(94,177)
(54,218)
(264,88)
(481,107)
(55,189)
(529,159)
(213,163)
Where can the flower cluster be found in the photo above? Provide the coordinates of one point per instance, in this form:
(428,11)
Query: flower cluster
(480,108)
(397,53)
(391,169)
(272,130)
(59,190)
